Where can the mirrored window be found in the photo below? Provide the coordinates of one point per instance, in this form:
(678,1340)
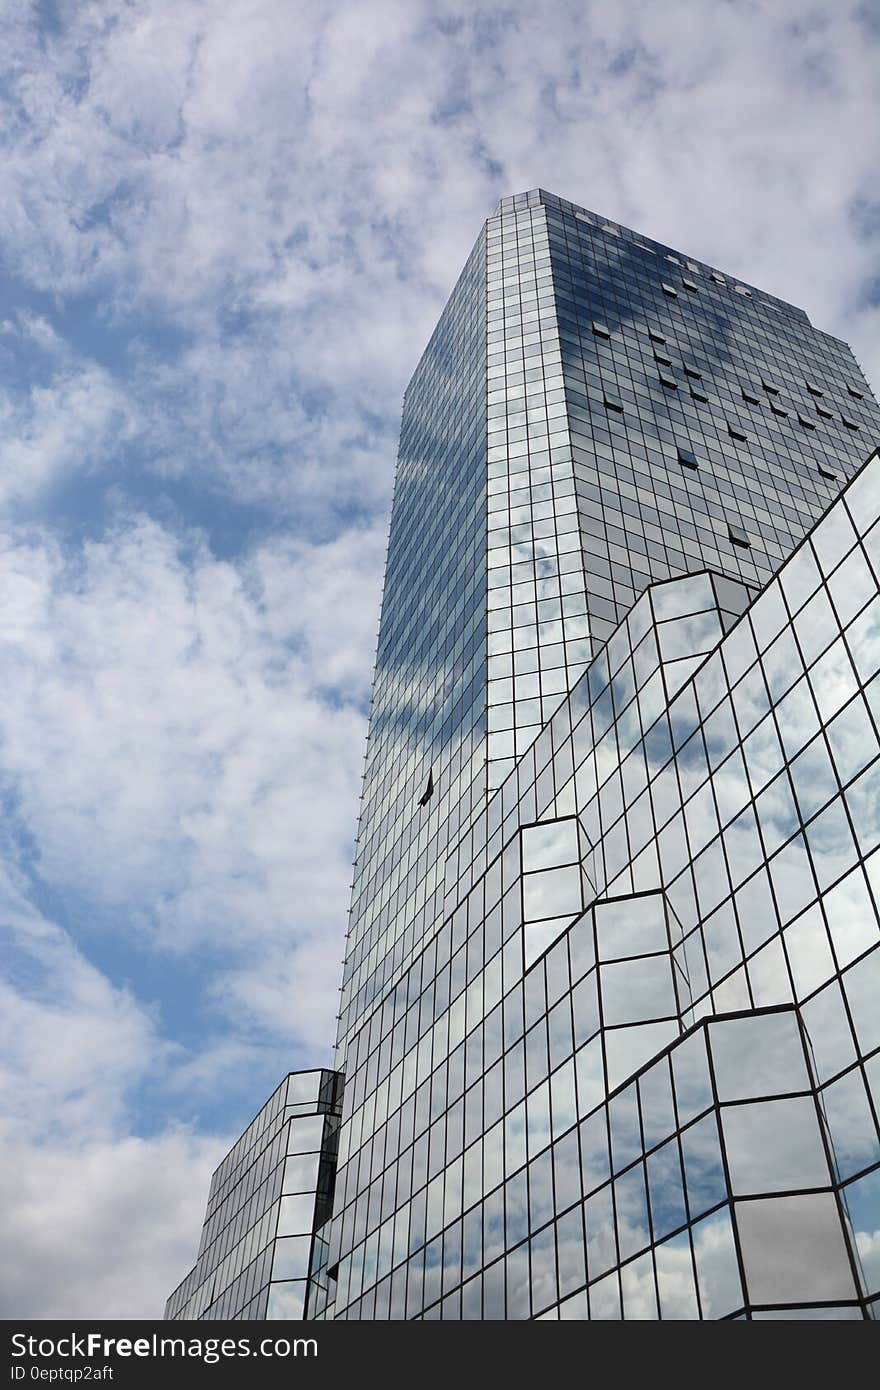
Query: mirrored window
(690,1071)
(305,1134)
(301,1173)
(549,845)
(703,1168)
(286,1302)
(637,1288)
(675,1279)
(758,1056)
(604,1299)
(295,1214)
(291,1257)
(632,1211)
(862,1200)
(718,1274)
(655,1094)
(854,1139)
(628,1049)
(631,926)
(666,1189)
(595,1160)
(637,990)
(601,1244)
(794,1249)
(774,1146)
(552,893)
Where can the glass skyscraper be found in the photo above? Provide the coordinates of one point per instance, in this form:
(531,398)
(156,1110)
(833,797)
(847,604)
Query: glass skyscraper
(609,1042)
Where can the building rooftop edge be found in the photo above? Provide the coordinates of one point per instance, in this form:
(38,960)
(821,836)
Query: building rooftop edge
(542,197)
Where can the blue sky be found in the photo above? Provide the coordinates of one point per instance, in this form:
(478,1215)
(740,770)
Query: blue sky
(225,234)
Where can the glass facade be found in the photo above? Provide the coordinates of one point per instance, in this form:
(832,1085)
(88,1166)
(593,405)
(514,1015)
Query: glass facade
(608,1026)
(263,1252)
(647,416)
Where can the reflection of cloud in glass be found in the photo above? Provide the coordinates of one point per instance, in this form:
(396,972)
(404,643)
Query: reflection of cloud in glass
(768,975)
(809,952)
(601,1247)
(632,1212)
(833,680)
(704,1171)
(286,1302)
(675,1279)
(743,845)
(763,753)
(794,1249)
(863,1203)
(833,538)
(797,718)
(637,1288)
(758,1056)
(852,920)
(570,1249)
(679,597)
(538,1118)
(627,1049)
(750,700)
(774,1146)
(863,638)
(851,1123)
(552,893)
(655,1095)
(852,585)
(605,1300)
(781,662)
(547,845)
(291,1257)
(636,990)
(590,1076)
(731,786)
(792,879)
(831,844)
(690,1070)
(863,800)
(543,1270)
(666,1190)
(295,1214)
(862,984)
(686,636)
(717,1265)
(829,1032)
(777,814)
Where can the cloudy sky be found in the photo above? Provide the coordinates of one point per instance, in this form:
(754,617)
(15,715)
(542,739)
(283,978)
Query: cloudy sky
(226,231)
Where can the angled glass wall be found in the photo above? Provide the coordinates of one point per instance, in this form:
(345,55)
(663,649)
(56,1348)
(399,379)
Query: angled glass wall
(647,417)
(663,1103)
(617,831)
(264,1241)
(426,744)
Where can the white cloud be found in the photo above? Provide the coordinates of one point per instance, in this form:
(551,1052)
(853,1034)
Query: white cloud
(106,1033)
(101,1229)
(185,736)
(295,191)
(79,421)
(181,756)
(95,1221)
